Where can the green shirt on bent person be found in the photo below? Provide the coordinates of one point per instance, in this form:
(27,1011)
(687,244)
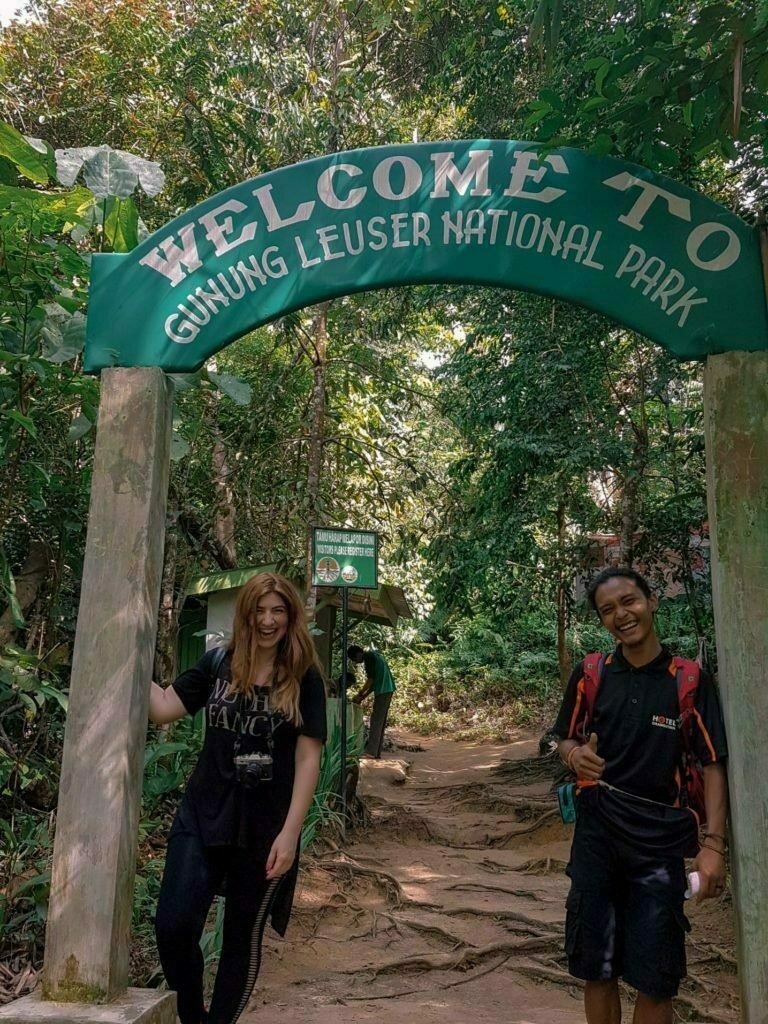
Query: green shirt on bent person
(377,670)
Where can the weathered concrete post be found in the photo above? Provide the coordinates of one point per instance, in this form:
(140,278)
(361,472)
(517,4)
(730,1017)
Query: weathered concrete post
(89,918)
(736,413)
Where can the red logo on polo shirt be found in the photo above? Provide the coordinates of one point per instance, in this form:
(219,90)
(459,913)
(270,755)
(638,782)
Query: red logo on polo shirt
(664,722)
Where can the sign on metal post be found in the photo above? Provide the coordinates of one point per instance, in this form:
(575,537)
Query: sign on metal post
(345,559)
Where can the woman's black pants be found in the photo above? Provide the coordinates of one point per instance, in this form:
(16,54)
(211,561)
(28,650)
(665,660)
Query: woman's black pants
(193,874)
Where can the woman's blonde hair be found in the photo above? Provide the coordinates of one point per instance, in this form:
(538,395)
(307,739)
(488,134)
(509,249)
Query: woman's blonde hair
(295,653)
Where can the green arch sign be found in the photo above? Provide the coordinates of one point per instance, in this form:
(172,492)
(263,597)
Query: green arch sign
(611,236)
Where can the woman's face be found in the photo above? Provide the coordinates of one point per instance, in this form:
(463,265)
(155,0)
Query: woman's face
(271,621)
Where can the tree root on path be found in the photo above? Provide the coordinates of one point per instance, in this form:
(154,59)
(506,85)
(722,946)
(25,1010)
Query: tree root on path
(703,1015)
(525,808)
(444,985)
(530,769)
(543,866)
(433,929)
(715,954)
(501,841)
(468,956)
(393,891)
(527,894)
(503,916)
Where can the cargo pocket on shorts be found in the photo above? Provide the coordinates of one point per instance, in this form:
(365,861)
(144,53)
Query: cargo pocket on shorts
(671,949)
(572,923)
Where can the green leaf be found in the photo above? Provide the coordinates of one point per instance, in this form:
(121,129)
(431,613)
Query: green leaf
(602,145)
(8,585)
(179,447)
(121,224)
(22,155)
(79,427)
(32,883)
(108,174)
(21,419)
(65,339)
(600,78)
(150,174)
(185,381)
(155,751)
(238,390)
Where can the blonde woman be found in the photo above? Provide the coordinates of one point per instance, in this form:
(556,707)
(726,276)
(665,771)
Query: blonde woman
(240,819)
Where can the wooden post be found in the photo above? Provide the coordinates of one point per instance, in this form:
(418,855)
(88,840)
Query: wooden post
(89,917)
(736,414)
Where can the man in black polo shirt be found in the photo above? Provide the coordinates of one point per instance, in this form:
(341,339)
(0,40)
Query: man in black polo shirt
(625,908)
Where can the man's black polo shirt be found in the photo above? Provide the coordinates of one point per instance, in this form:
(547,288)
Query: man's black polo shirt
(636,719)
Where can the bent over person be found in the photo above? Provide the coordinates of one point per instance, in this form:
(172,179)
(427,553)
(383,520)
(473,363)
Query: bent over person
(379,682)
(634,750)
(239,822)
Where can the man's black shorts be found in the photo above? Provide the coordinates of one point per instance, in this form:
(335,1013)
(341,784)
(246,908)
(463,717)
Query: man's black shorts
(624,911)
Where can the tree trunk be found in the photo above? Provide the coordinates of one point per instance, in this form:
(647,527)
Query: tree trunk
(28,581)
(224,521)
(564,661)
(316,442)
(630,495)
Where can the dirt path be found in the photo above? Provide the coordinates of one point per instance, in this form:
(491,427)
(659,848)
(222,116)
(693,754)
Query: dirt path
(448,904)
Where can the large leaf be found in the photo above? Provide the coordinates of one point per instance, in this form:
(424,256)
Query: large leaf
(121,224)
(150,174)
(107,173)
(69,162)
(63,337)
(69,206)
(79,427)
(21,419)
(179,447)
(238,390)
(26,158)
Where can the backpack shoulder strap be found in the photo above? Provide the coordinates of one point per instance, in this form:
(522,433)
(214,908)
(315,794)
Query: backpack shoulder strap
(594,666)
(687,673)
(592,674)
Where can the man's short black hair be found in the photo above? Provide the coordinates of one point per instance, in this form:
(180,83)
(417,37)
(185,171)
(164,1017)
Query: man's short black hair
(612,573)
(354,651)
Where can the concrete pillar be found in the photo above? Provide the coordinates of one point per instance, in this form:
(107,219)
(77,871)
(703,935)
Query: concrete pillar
(89,917)
(736,414)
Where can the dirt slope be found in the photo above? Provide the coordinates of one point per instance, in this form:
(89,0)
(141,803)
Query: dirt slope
(448,904)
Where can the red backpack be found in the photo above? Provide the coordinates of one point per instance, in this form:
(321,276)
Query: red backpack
(687,674)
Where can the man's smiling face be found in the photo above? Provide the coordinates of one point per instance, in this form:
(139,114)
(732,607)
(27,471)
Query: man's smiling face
(625,611)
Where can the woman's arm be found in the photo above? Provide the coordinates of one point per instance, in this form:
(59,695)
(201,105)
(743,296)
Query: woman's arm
(164,705)
(283,851)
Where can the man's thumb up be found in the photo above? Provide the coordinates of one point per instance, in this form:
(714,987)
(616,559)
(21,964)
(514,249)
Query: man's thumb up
(593,743)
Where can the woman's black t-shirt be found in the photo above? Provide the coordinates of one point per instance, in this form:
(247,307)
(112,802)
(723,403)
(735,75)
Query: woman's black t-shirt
(215,806)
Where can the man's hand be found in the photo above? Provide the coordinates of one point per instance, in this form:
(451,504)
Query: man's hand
(586,762)
(711,867)
(282,854)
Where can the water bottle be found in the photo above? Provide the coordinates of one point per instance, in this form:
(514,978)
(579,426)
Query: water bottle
(694,884)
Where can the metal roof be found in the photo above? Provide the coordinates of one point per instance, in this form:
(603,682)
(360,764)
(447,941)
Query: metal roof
(385,605)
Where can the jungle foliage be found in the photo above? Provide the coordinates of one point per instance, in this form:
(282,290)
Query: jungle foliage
(492,438)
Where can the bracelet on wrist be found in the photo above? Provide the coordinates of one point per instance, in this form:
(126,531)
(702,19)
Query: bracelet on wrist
(569,758)
(714,849)
(713,835)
